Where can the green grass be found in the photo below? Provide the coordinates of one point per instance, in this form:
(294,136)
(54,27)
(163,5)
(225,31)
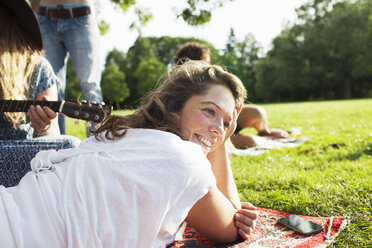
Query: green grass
(329,175)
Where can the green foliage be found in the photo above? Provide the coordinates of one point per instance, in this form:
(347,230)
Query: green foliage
(146,61)
(142,50)
(199,12)
(124,4)
(147,74)
(196,12)
(117,57)
(114,88)
(194,19)
(240,58)
(143,17)
(73,90)
(327,55)
(103,27)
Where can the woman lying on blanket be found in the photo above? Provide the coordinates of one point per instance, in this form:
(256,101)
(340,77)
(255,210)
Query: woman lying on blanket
(140,176)
(24,73)
(251,115)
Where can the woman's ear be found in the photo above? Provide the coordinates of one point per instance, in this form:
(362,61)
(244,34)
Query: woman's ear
(239,109)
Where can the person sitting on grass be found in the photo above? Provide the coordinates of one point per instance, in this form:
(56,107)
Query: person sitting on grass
(139,177)
(251,115)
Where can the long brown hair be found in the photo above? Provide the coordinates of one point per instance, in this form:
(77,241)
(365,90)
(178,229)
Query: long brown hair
(17,62)
(159,109)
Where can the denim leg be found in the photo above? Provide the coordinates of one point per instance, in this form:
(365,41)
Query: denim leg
(82,42)
(56,54)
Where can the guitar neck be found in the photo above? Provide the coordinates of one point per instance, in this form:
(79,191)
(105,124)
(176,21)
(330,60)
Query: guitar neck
(78,110)
(24,105)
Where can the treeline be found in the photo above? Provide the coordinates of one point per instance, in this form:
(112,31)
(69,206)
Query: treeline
(326,54)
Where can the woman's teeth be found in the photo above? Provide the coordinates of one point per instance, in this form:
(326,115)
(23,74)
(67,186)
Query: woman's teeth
(204,141)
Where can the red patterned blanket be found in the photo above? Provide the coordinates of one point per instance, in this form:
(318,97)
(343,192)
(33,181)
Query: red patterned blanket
(270,234)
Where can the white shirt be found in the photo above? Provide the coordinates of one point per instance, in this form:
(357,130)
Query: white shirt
(132,192)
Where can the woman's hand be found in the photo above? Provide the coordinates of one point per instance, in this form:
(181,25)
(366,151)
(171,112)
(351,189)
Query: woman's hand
(245,219)
(41,118)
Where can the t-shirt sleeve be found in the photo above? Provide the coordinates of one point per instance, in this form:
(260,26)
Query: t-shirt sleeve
(200,179)
(42,78)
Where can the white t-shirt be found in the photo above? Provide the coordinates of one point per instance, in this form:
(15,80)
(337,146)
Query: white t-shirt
(132,192)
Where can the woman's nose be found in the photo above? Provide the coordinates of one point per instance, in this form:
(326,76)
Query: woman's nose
(217,128)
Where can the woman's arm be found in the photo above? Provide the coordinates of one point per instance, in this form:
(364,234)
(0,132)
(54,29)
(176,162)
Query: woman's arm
(43,119)
(221,168)
(213,217)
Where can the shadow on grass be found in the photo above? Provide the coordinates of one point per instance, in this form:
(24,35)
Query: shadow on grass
(355,155)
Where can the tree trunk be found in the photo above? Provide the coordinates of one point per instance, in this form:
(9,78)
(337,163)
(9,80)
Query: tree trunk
(347,88)
(117,103)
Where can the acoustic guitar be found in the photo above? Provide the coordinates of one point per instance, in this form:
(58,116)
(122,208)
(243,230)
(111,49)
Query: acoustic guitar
(78,110)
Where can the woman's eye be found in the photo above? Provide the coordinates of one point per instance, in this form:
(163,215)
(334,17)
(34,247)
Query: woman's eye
(226,124)
(209,111)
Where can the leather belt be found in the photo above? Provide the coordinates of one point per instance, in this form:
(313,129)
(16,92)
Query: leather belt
(62,13)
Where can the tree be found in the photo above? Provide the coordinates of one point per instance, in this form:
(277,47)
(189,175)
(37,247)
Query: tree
(196,12)
(142,50)
(118,58)
(146,61)
(147,74)
(114,88)
(240,58)
(73,90)
(325,55)
(336,43)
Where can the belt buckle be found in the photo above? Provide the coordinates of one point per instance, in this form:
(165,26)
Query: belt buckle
(53,17)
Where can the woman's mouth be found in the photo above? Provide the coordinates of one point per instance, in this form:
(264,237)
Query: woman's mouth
(205,141)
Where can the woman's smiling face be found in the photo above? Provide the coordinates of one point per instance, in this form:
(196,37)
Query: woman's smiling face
(205,118)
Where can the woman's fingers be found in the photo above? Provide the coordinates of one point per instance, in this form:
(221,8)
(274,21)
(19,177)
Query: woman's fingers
(41,117)
(245,219)
(248,205)
(243,234)
(248,219)
(243,230)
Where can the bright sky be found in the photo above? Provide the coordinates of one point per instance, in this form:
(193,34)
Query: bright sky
(263,18)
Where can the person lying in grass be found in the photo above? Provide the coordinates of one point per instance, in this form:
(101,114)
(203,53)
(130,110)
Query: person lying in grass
(140,176)
(251,115)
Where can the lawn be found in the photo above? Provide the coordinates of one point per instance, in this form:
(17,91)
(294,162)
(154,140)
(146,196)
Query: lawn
(329,175)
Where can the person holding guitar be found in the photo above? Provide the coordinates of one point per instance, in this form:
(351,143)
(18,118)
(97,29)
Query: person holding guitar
(24,73)
(69,28)
(139,177)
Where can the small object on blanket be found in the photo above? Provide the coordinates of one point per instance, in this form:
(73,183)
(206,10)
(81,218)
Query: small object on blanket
(268,233)
(266,143)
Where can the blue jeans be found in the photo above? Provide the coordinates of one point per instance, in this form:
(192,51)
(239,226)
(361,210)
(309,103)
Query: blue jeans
(78,37)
